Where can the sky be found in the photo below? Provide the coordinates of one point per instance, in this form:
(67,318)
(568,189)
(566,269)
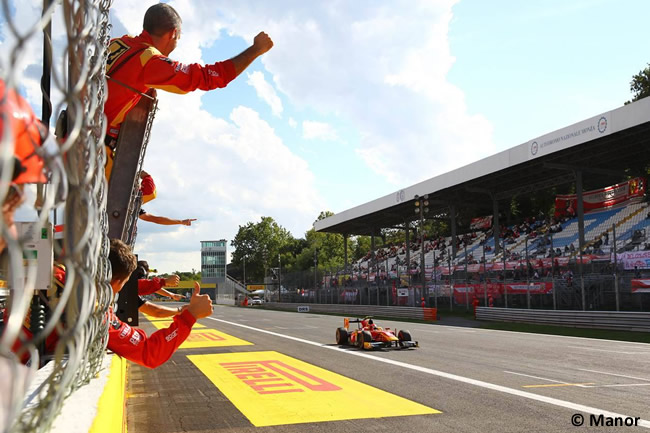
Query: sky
(357,100)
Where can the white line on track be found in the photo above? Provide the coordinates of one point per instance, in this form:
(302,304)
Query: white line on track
(534,377)
(611,351)
(450,376)
(615,374)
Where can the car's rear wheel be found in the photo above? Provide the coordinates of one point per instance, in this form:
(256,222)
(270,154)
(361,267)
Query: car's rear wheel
(342,336)
(404,336)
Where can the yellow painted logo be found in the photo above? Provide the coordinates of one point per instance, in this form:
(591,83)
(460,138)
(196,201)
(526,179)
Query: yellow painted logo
(267,387)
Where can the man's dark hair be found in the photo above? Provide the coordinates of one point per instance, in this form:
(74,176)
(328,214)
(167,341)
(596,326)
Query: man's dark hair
(122,260)
(160,19)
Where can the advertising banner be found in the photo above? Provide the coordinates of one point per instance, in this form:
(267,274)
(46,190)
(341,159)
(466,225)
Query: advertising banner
(567,205)
(496,290)
(640,286)
(634,259)
(481,223)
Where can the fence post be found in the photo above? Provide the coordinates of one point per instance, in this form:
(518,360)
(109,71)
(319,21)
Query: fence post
(485,287)
(616,293)
(553,274)
(505,286)
(527,275)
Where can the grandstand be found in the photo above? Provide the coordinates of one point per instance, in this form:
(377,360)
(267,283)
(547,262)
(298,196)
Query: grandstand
(600,153)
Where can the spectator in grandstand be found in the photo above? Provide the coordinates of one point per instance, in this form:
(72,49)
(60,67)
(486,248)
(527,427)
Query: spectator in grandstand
(132,343)
(140,63)
(606,238)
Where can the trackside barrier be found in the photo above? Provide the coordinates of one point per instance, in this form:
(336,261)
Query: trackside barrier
(417,313)
(616,320)
(98,407)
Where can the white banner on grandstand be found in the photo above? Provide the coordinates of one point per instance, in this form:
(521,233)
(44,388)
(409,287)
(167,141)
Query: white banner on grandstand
(632,259)
(564,138)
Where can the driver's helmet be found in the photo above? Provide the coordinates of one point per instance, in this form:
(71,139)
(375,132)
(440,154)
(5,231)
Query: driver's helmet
(370,322)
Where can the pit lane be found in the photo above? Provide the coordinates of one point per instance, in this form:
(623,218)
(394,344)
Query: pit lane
(480,380)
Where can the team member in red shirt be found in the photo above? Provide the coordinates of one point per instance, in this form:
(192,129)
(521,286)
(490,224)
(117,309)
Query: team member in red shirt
(137,64)
(132,343)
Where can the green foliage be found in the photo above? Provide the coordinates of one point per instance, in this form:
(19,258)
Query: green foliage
(184,276)
(264,244)
(640,84)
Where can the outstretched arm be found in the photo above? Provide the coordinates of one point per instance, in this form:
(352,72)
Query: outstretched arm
(160,311)
(261,44)
(174,296)
(165,221)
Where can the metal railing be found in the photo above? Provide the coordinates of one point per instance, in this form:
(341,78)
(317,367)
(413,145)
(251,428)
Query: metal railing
(618,320)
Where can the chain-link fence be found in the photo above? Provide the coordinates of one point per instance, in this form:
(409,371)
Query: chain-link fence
(37,312)
(611,274)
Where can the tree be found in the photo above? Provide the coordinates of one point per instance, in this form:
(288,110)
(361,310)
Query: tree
(640,84)
(261,243)
(329,247)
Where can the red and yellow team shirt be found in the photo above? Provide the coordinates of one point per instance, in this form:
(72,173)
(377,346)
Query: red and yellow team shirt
(136,63)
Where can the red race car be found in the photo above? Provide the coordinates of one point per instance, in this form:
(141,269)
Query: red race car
(370,336)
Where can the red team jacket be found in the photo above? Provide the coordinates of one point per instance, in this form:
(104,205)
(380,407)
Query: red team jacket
(148,189)
(126,341)
(134,345)
(134,61)
(149,286)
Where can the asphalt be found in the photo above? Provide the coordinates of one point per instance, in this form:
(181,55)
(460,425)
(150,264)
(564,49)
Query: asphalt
(480,380)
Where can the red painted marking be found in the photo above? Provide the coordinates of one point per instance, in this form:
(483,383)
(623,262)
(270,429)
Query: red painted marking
(270,377)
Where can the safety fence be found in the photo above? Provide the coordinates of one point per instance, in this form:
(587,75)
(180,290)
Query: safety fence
(596,286)
(34,308)
(428,314)
(618,320)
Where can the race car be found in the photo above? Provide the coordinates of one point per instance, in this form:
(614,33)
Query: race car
(368,336)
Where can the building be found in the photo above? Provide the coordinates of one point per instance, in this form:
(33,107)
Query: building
(213,261)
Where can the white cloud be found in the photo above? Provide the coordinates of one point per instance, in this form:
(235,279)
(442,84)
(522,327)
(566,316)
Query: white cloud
(318,131)
(222,172)
(382,67)
(265,92)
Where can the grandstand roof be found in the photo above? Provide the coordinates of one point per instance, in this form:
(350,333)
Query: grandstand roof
(601,147)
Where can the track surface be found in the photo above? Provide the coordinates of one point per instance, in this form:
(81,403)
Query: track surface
(480,380)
